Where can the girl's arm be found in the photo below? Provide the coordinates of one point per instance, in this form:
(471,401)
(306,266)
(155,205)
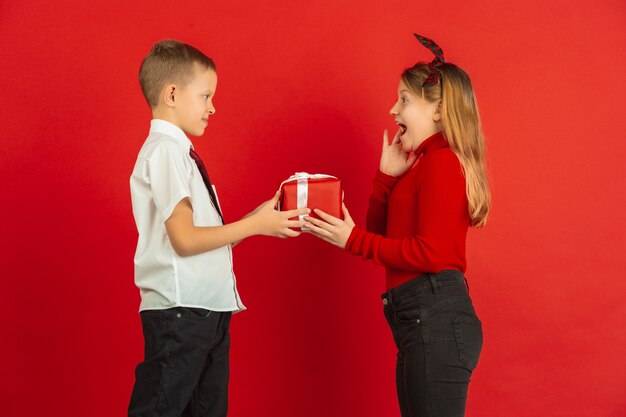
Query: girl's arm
(376,219)
(443,212)
(394,162)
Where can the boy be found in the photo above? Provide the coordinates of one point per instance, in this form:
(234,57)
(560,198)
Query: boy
(183,262)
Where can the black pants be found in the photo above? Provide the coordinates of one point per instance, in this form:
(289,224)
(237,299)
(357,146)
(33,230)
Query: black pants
(439,338)
(185,368)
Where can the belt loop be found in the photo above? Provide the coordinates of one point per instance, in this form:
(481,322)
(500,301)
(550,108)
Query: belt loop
(433,282)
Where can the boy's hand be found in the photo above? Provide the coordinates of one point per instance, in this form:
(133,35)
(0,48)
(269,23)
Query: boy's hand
(270,222)
(393,160)
(331,229)
(253,212)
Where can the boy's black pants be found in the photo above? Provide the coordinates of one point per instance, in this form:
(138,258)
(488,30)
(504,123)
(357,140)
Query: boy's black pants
(185,368)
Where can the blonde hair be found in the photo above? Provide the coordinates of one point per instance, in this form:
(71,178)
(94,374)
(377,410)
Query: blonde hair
(170,61)
(461,128)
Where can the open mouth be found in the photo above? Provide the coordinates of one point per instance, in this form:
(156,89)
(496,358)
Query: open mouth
(402,127)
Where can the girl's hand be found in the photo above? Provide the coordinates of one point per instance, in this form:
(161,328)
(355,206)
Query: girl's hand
(394,161)
(331,229)
(270,222)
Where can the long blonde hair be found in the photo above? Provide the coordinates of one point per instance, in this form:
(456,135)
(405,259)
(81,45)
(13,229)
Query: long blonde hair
(461,127)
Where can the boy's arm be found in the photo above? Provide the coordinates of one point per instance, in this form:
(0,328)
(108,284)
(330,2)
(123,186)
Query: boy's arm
(188,239)
(235,243)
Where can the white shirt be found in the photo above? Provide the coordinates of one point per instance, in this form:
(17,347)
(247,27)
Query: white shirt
(163,175)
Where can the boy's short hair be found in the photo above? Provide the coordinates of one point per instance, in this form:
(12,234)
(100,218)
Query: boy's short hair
(170,61)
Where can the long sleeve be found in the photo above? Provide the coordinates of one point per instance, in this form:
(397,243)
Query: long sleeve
(442,218)
(376,219)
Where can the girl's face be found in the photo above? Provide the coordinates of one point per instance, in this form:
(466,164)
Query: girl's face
(417,118)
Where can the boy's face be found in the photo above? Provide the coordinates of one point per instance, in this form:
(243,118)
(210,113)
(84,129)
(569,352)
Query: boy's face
(194,103)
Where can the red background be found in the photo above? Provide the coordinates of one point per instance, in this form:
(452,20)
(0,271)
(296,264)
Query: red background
(306,86)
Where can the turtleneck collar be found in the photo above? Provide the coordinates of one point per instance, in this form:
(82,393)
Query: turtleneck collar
(436,141)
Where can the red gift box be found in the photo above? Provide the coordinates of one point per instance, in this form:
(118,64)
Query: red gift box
(316,191)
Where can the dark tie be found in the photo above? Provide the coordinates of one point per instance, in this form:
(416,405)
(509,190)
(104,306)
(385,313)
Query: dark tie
(207,181)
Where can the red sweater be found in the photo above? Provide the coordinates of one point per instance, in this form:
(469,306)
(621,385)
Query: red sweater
(418,222)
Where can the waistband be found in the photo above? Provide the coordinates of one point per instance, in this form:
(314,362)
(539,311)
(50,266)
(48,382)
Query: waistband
(426,282)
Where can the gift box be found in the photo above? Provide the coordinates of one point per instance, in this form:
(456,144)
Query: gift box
(317,191)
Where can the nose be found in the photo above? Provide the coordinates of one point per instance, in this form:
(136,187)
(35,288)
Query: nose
(211,110)
(393,111)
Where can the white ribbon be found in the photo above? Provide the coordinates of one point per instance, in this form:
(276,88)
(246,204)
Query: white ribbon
(303,189)
(303,194)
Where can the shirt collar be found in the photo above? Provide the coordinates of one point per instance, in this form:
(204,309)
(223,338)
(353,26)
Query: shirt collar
(436,141)
(170,129)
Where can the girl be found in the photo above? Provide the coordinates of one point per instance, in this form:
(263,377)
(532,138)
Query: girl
(431,186)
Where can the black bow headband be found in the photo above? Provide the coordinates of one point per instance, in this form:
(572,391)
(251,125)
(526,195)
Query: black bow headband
(435,73)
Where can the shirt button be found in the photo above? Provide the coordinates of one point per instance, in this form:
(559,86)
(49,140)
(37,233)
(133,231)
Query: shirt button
(385,302)
(418,321)
(178,315)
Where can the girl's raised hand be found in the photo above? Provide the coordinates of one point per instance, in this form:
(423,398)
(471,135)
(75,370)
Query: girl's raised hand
(331,229)
(394,161)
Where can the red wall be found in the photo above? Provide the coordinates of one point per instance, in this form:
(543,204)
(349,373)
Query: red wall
(307,87)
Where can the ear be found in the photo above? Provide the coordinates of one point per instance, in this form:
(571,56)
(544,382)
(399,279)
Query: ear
(437,112)
(169,95)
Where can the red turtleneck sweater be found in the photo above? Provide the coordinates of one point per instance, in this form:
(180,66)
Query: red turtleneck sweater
(418,222)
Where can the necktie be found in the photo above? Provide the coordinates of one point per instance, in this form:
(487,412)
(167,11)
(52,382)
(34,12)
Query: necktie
(207,181)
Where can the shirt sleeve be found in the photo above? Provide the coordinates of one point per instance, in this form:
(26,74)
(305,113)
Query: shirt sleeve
(442,206)
(169,177)
(376,219)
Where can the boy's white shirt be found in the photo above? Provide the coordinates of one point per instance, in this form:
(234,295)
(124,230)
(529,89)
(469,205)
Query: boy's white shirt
(163,175)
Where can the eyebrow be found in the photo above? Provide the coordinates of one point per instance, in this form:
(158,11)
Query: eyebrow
(403,91)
